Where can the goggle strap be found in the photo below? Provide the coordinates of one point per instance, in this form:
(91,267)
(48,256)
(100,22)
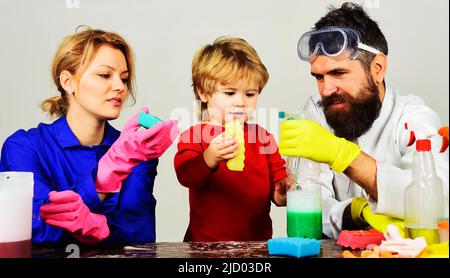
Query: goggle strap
(368,48)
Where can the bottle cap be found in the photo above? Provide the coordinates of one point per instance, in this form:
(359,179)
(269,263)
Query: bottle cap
(290,115)
(423,145)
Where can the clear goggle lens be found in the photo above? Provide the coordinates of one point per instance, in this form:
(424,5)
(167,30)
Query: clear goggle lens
(332,42)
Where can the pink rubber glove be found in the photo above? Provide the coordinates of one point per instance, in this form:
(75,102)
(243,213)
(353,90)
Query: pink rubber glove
(68,211)
(132,147)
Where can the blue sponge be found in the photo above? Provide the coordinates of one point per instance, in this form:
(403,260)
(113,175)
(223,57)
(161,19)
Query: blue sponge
(294,246)
(147,120)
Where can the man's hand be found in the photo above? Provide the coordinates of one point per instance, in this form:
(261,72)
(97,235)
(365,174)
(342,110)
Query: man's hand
(221,148)
(310,140)
(362,215)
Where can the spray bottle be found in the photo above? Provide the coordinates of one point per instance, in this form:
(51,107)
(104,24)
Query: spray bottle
(424,204)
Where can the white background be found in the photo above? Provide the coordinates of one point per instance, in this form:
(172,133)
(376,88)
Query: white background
(165,35)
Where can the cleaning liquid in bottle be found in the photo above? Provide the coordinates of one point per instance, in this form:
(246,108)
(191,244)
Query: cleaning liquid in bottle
(304,200)
(424,197)
(304,188)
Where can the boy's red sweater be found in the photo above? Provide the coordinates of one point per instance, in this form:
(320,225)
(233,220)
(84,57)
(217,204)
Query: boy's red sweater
(229,205)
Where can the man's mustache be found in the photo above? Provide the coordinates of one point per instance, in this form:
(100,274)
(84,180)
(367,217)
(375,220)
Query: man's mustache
(334,98)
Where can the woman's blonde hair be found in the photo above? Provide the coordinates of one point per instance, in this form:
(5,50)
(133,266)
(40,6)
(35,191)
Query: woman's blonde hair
(224,61)
(74,55)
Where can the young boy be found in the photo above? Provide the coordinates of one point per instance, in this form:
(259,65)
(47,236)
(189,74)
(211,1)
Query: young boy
(227,205)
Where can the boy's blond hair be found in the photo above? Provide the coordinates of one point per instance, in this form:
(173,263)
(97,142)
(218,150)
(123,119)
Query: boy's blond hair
(224,61)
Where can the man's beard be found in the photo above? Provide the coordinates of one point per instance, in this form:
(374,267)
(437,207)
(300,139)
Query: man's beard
(360,114)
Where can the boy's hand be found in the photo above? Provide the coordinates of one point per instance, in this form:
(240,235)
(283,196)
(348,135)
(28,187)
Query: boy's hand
(279,193)
(221,148)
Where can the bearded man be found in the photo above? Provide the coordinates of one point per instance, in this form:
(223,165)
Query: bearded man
(364,126)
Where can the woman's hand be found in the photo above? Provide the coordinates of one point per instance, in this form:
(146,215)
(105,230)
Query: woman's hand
(131,148)
(67,210)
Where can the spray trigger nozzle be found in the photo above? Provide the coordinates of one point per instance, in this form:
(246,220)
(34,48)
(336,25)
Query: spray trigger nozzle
(443,132)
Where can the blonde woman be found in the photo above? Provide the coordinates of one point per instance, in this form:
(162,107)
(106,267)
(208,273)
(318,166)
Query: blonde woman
(92,183)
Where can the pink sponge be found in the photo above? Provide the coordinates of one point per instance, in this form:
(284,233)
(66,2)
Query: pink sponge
(359,239)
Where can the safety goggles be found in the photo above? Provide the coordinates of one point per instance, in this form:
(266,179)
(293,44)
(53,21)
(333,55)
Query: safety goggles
(332,42)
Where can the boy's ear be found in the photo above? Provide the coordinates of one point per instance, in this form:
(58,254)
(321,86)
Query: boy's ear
(203,97)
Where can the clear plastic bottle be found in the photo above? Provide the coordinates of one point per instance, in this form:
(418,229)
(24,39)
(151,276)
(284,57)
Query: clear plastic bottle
(304,200)
(304,191)
(424,197)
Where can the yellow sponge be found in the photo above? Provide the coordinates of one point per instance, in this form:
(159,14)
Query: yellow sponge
(235,129)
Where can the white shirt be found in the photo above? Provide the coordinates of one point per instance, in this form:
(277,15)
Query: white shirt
(386,142)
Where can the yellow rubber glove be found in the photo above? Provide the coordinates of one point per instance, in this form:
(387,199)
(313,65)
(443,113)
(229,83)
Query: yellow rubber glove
(310,140)
(439,250)
(362,214)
